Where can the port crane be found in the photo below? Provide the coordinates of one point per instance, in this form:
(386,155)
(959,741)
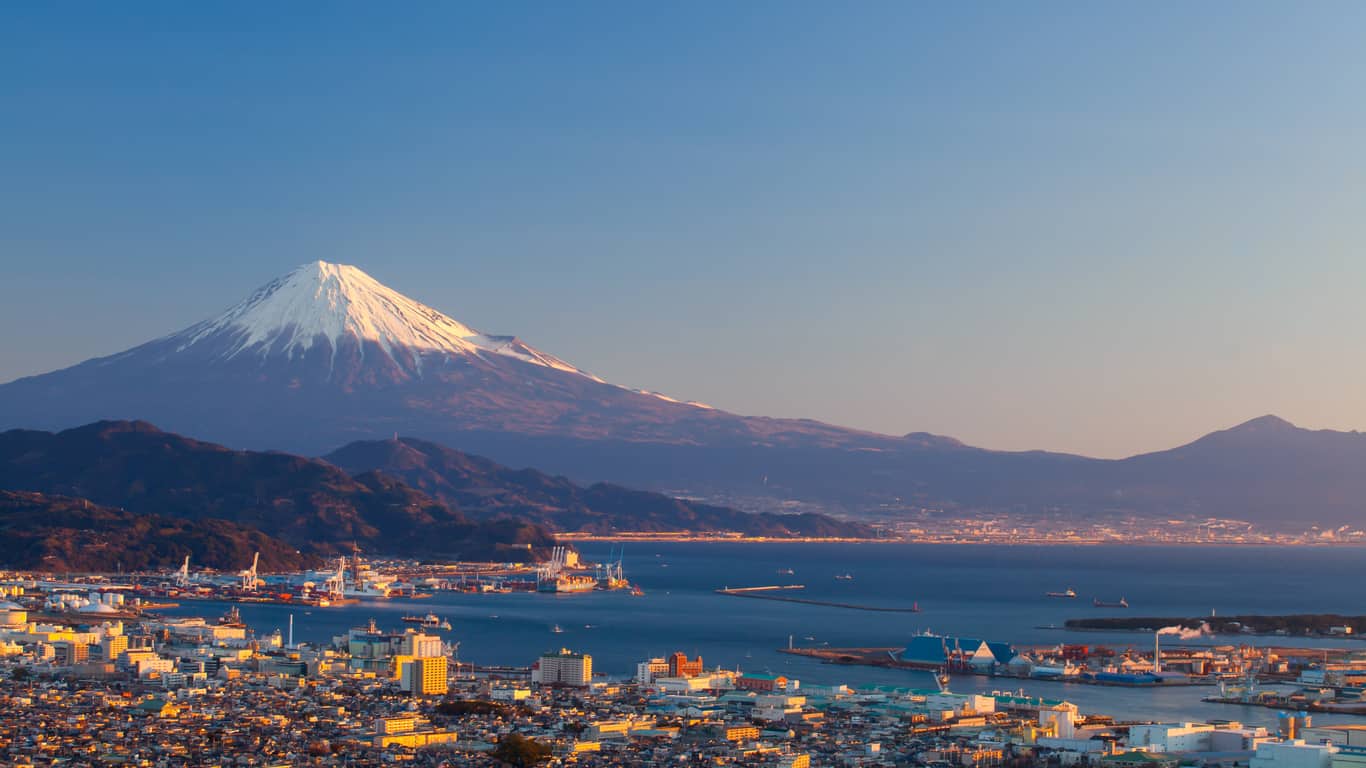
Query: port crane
(249,579)
(182,576)
(610,573)
(559,556)
(336,583)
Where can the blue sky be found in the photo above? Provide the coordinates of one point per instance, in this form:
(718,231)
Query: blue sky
(1085,227)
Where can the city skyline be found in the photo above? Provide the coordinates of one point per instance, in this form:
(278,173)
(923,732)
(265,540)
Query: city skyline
(1101,231)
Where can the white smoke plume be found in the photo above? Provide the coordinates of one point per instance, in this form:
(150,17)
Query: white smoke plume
(1187,634)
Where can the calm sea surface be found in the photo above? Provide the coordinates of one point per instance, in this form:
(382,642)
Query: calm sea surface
(991,592)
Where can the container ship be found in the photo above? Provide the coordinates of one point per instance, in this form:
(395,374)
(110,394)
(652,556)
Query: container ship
(568,583)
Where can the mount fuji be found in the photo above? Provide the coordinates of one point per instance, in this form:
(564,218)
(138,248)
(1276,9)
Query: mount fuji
(326,355)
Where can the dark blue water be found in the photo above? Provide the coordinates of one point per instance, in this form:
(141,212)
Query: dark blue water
(992,592)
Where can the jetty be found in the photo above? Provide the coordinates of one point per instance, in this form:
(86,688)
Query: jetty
(766,593)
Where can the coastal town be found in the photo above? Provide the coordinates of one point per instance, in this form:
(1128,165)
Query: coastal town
(90,684)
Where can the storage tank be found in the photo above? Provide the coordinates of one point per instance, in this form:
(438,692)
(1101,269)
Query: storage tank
(12,615)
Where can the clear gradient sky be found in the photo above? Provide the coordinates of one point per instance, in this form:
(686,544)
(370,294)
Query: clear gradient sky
(1094,227)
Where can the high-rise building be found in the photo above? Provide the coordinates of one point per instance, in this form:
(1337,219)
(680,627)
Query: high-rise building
(563,667)
(70,652)
(424,676)
(681,666)
(113,645)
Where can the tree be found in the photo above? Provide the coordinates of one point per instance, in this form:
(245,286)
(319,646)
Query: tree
(520,751)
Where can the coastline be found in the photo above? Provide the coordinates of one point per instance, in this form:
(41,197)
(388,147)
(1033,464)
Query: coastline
(721,537)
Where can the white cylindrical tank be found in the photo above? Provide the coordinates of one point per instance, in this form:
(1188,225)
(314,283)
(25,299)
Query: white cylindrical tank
(12,615)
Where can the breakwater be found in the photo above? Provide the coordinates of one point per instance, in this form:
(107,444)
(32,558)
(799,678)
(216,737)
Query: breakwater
(766,593)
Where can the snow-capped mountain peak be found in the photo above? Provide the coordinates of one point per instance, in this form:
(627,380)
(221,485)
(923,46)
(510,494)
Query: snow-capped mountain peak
(338,304)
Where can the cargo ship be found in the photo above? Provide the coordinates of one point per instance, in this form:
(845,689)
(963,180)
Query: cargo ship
(1120,603)
(430,621)
(1069,593)
(568,583)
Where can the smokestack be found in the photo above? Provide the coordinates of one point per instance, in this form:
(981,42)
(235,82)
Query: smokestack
(1157,653)
(291,631)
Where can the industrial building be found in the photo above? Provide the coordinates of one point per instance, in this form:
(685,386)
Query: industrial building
(960,653)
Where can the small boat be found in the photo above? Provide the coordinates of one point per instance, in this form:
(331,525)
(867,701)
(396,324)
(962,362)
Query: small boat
(1121,603)
(844,577)
(1068,594)
(446,625)
(810,638)
(785,572)
(637,592)
(557,629)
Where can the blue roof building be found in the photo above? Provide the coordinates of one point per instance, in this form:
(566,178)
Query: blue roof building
(941,650)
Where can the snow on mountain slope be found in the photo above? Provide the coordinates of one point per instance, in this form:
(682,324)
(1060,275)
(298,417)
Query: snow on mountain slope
(337,304)
(327,355)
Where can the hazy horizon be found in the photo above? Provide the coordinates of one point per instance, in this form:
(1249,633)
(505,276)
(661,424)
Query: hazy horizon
(1099,230)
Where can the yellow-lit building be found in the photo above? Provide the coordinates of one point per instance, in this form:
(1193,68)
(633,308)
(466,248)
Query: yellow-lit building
(424,676)
(408,731)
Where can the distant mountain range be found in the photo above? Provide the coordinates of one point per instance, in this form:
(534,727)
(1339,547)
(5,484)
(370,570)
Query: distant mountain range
(310,504)
(483,488)
(126,492)
(326,355)
(57,533)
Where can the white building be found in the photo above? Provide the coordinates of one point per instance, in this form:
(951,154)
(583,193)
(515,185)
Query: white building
(563,667)
(420,645)
(1195,737)
(1060,718)
(960,703)
(647,671)
(776,707)
(711,681)
(1293,754)
(1171,737)
(147,666)
(509,693)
